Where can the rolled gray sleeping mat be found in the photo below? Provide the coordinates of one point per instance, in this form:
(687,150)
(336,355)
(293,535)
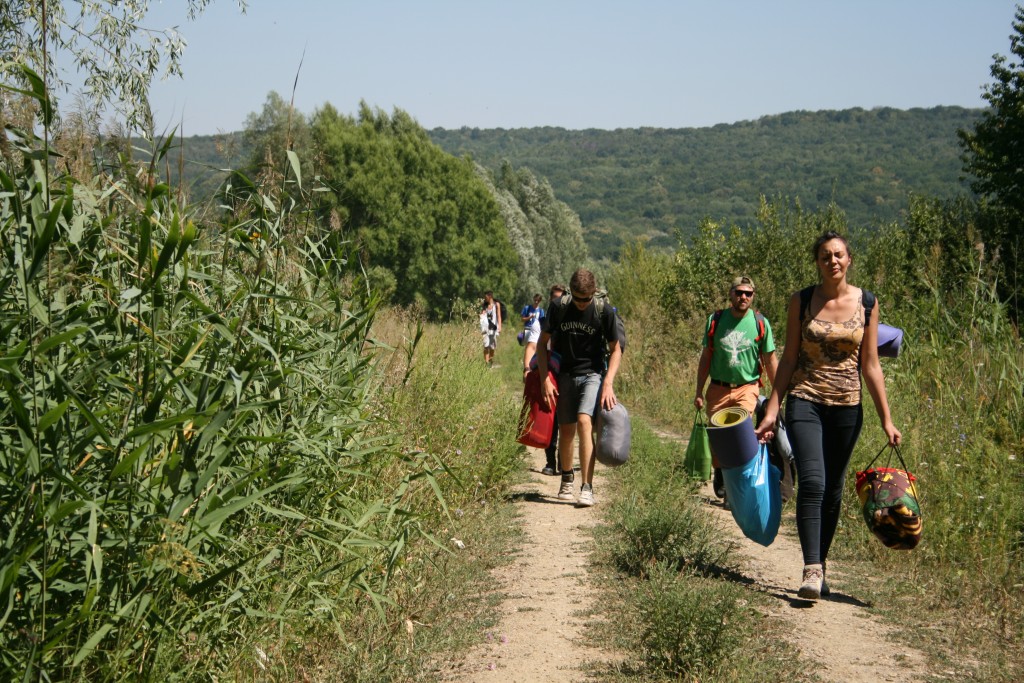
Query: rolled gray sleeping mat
(614,434)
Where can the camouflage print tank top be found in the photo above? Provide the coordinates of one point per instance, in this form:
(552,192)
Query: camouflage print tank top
(828,365)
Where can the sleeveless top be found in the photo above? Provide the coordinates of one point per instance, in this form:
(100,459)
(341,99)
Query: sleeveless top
(828,364)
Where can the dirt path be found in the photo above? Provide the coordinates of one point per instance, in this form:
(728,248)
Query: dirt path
(845,642)
(540,632)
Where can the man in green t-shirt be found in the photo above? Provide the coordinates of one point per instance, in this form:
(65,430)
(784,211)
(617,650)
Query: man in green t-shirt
(738,343)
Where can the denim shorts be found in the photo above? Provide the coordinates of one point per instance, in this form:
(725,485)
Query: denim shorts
(577,394)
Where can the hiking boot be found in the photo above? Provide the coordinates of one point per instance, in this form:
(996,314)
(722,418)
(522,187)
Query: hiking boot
(810,588)
(825,590)
(549,470)
(586,496)
(565,490)
(718,483)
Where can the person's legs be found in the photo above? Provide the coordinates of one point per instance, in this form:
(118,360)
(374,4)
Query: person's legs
(803,420)
(566,434)
(714,400)
(585,430)
(568,400)
(552,466)
(745,397)
(842,427)
(589,393)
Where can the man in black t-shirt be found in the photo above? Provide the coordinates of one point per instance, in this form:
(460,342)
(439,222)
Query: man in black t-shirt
(585,338)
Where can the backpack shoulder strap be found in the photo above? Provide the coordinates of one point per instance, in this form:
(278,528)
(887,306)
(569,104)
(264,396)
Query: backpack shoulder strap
(805,301)
(761,331)
(712,327)
(868,299)
(555,312)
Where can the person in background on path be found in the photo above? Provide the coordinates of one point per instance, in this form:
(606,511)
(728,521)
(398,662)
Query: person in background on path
(738,343)
(582,335)
(531,315)
(490,323)
(831,344)
(551,468)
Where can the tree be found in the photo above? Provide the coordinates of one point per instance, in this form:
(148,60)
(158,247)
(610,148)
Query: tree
(105,39)
(993,153)
(405,206)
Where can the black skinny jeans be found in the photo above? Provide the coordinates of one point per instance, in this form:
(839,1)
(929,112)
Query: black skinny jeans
(823,438)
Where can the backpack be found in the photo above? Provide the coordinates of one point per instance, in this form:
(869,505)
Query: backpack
(761,332)
(600,302)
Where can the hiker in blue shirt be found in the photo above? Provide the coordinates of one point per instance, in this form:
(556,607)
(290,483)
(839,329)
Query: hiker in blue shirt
(532,316)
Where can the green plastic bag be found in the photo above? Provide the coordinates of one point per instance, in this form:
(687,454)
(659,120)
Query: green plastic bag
(697,462)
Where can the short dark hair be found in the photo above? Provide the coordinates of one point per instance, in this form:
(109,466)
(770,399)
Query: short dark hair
(583,282)
(557,288)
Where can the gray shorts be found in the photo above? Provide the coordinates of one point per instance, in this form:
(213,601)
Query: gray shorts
(577,395)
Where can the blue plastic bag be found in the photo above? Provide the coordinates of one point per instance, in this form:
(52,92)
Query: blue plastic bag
(753,494)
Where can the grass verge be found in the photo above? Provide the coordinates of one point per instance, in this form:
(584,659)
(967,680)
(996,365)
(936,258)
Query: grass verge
(669,595)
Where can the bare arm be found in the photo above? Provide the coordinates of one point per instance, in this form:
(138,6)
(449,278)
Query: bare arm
(871,371)
(608,399)
(770,361)
(783,371)
(703,369)
(549,388)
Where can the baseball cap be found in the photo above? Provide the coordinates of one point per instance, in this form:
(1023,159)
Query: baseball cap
(742,280)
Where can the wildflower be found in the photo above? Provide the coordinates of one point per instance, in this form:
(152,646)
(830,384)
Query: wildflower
(504,639)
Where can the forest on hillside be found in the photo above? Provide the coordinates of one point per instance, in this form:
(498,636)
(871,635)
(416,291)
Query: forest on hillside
(653,182)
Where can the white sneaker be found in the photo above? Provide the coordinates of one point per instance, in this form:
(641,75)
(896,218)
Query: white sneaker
(565,490)
(586,496)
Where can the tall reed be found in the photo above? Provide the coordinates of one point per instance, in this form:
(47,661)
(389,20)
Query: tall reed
(184,412)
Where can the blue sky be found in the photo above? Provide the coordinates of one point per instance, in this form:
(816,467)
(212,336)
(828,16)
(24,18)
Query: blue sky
(576,64)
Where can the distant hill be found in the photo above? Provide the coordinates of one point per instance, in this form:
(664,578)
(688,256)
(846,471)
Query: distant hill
(653,181)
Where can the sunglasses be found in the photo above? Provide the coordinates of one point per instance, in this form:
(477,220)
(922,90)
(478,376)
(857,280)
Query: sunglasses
(743,292)
(582,299)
